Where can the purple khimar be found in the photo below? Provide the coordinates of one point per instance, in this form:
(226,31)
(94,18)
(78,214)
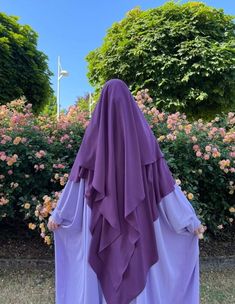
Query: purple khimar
(127,177)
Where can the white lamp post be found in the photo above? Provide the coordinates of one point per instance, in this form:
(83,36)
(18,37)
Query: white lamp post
(91,101)
(60,74)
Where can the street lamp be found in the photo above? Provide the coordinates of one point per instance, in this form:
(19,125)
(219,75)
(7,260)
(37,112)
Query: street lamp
(61,73)
(91,101)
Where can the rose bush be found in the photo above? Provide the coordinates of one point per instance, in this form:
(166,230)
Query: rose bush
(201,156)
(37,152)
(35,156)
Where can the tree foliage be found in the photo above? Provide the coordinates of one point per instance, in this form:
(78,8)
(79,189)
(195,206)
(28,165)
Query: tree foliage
(23,68)
(183,53)
(87,102)
(50,108)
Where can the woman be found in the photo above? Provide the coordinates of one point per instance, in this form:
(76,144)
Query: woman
(124,232)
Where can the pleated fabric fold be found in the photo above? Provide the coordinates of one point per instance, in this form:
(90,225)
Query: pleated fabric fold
(157,182)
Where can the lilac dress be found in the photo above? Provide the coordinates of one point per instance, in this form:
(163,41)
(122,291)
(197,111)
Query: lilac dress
(173,279)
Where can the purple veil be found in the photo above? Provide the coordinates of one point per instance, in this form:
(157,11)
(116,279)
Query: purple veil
(127,177)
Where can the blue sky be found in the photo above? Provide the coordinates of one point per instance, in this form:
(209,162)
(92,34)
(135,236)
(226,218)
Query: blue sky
(72,28)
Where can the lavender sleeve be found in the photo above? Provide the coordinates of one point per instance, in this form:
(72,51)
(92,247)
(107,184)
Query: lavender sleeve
(179,213)
(66,205)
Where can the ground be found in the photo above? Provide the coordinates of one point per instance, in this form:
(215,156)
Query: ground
(37,286)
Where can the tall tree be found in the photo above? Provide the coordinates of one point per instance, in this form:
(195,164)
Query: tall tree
(23,68)
(183,53)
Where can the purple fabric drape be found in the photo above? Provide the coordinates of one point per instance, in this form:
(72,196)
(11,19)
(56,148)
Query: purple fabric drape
(127,177)
(173,279)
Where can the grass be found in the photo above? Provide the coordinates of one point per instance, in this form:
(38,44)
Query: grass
(218,287)
(36,286)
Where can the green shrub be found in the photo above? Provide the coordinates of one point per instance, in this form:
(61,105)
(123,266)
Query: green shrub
(36,154)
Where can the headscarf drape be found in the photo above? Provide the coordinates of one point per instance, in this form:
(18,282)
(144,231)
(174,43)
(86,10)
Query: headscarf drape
(127,177)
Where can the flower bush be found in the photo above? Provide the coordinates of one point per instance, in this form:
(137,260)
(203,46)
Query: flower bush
(36,154)
(201,156)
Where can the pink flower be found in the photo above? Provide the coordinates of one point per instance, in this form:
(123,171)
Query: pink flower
(23,140)
(208,148)
(3,201)
(206,156)
(15,119)
(10,172)
(40,154)
(64,138)
(222,132)
(61,166)
(3,156)
(171,136)
(6,137)
(232,154)
(58,166)
(196,147)
(198,154)
(49,141)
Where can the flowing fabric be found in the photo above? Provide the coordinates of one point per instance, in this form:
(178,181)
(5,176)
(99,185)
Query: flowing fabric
(173,279)
(127,177)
